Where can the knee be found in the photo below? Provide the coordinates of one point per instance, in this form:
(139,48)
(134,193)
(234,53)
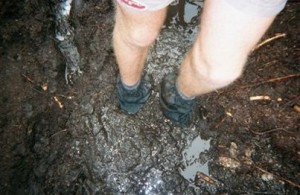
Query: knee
(141,36)
(222,75)
(219,73)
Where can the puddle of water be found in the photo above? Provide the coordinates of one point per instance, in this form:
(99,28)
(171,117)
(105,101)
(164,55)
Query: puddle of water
(191,159)
(182,12)
(191,11)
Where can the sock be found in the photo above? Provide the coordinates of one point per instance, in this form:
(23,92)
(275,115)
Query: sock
(182,95)
(131,87)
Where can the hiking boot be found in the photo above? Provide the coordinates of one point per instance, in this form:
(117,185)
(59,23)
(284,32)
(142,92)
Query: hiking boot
(132,100)
(174,106)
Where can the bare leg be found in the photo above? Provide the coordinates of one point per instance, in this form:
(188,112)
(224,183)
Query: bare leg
(134,32)
(220,51)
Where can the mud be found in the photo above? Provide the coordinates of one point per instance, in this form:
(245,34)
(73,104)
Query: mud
(74,139)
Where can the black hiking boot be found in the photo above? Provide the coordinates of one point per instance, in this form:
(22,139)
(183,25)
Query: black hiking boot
(174,107)
(132,100)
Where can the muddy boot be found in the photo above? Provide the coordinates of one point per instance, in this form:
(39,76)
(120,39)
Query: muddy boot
(174,106)
(132,98)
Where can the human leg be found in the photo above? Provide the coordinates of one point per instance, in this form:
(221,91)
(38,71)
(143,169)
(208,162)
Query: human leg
(133,34)
(217,57)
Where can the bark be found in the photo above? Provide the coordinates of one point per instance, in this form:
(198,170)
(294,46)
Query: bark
(64,34)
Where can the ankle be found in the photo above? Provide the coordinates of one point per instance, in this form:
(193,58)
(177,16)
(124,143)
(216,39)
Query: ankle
(182,94)
(131,87)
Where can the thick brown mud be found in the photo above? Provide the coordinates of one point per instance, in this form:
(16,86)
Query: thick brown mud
(73,139)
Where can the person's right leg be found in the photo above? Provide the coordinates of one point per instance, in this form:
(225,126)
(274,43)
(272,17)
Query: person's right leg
(134,32)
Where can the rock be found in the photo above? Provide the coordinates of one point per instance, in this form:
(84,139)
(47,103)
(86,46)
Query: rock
(267,177)
(228,162)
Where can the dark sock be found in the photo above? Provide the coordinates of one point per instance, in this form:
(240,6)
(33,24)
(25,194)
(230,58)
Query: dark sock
(131,87)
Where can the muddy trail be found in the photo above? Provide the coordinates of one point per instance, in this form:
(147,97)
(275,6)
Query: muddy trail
(73,139)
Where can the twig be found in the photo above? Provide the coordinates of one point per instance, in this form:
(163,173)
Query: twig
(64,130)
(260,97)
(278,177)
(219,123)
(277,36)
(271,80)
(270,131)
(67,97)
(58,102)
(28,79)
(293,101)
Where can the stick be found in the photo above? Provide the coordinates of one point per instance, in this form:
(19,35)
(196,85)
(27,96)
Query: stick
(272,80)
(28,79)
(64,130)
(280,178)
(260,97)
(219,123)
(58,102)
(270,131)
(277,36)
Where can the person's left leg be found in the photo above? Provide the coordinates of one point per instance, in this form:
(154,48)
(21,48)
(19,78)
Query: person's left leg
(218,55)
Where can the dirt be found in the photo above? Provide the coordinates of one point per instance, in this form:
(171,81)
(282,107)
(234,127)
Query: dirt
(74,139)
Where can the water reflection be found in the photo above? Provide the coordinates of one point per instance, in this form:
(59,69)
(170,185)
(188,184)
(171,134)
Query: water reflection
(152,182)
(183,12)
(191,10)
(192,161)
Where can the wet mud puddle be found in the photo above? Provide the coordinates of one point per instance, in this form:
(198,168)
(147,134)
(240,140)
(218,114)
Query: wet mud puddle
(192,160)
(184,12)
(191,10)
